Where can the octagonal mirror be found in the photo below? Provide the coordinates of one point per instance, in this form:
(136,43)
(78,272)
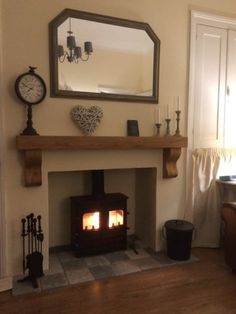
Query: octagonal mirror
(100,57)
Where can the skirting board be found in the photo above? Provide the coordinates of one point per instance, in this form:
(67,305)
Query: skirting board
(5,283)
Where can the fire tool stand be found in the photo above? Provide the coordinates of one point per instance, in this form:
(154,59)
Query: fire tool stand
(32,239)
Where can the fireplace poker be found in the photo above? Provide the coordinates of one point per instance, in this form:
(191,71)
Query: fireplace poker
(39,224)
(31,231)
(39,230)
(38,236)
(28,232)
(23,239)
(35,234)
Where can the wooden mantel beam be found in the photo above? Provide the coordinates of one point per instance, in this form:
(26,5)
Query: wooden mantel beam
(98,142)
(34,145)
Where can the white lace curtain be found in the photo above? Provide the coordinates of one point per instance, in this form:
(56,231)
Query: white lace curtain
(203,198)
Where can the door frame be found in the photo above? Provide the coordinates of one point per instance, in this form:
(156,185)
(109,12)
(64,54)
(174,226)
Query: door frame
(198,17)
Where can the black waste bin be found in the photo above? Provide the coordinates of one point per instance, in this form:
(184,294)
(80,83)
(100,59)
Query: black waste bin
(179,238)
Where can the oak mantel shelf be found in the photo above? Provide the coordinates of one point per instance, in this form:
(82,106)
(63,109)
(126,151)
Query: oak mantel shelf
(99,142)
(34,145)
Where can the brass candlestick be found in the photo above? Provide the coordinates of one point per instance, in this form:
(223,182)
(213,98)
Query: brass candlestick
(177,132)
(158,126)
(167,126)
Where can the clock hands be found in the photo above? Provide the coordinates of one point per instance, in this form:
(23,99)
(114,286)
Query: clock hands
(29,88)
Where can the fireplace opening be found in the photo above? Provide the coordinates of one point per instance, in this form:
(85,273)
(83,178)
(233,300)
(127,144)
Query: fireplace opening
(138,184)
(98,220)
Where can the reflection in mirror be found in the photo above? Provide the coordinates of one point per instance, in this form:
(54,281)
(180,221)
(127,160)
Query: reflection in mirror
(122,58)
(74,53)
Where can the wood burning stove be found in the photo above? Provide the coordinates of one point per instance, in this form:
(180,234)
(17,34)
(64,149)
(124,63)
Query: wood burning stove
(99,220)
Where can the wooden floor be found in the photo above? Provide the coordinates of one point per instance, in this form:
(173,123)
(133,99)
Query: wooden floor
(207,286)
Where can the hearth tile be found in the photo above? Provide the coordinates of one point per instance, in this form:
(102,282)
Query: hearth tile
(124,267)
(141,253)
(54,265)
(79,275)
(74,264)
(98,260)
(146,263)
(66,256)
(53,281)
(116,256)
(100,272)
(20,288)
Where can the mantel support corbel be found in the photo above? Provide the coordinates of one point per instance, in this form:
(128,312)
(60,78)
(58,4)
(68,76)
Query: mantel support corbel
(33,167)
(170,157)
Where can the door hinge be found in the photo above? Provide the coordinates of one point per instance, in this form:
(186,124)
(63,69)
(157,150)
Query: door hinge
(227,91)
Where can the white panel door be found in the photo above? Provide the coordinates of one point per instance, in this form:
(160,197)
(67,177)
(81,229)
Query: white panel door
(230,110)
(210,78)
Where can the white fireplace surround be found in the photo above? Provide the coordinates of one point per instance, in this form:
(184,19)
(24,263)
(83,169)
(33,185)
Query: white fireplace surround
(116,159)
(163,196)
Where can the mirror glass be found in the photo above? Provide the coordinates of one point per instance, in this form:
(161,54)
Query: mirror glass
(122,61)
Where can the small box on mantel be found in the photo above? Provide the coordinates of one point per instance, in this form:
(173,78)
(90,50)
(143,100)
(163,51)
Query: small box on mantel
(132,128)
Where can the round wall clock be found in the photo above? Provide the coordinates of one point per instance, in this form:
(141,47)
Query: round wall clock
(30,87)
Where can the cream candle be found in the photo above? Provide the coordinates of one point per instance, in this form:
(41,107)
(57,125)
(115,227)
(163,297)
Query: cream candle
(177,103)
(168,111)
(158,115)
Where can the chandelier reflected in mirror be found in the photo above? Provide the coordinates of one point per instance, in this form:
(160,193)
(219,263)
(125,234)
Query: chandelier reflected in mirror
(74,53)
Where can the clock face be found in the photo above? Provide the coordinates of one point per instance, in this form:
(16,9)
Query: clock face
(30,88)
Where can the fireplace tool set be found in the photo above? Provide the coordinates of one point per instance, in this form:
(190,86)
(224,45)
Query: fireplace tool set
(32,241)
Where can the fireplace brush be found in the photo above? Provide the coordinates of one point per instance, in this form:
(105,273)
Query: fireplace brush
(34,259)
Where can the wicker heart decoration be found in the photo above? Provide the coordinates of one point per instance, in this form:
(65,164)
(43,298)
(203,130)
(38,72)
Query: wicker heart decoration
(87,119)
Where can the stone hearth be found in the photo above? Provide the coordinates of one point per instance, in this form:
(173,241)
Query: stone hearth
(65,269)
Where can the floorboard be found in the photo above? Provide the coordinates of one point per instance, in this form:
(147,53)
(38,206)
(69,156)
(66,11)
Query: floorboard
(207,286)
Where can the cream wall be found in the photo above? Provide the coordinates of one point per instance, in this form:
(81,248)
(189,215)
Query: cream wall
(25,42)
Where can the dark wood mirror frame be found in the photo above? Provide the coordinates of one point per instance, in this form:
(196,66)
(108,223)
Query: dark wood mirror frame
(53,42)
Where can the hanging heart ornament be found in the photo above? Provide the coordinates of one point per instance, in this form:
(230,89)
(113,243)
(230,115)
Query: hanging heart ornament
(87,119)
